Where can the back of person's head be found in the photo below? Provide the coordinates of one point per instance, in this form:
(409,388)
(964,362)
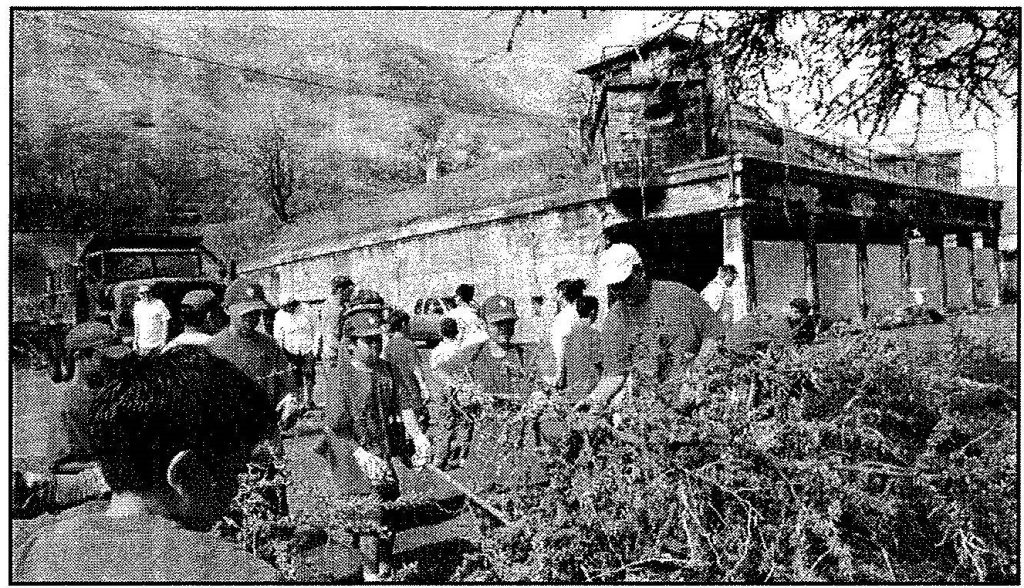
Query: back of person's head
(465,292)
(397,320)
(192,316)
(727,269)
(801,305)
(341,283)
(571,290)
(449,328)
(587,306)
(184,399)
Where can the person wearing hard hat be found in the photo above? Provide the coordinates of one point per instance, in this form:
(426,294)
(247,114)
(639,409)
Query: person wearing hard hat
(151,319)
(332,315)
(654,326)
(256,354)
(98,352)
(260,358)
(360,438)
(195,308)
(504,373)
(98,355)
(295,329)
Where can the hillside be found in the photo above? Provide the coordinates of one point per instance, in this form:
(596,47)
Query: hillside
(111,135)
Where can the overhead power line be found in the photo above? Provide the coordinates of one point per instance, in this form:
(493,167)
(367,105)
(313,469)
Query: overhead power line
(353,88)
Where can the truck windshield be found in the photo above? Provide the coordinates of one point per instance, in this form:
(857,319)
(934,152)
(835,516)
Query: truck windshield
(176,266)
(135,266)
(127,267)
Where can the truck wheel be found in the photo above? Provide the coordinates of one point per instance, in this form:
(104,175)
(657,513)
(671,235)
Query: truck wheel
(62,365)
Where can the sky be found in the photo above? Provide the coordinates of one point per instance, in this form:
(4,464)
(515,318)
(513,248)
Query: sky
(549,47)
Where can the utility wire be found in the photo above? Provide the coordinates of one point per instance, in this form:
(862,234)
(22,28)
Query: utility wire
(353,88)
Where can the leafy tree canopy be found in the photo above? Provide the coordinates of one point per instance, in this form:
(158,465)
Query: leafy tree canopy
(865,66)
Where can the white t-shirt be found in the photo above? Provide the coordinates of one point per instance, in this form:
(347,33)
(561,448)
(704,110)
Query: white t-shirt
(151,319)
(470,323)
(188,339)
(560,328)
(719,298)
(297,331)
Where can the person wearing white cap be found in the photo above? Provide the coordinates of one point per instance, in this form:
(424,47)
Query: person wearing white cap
(295,329)
(151,317)
(654,326)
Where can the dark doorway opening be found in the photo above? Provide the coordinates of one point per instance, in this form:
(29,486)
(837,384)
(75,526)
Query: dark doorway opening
(685,249)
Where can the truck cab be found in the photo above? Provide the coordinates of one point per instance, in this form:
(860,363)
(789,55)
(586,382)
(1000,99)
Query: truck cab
(103,284)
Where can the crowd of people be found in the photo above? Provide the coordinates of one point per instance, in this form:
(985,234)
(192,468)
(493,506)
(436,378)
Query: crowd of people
(170,423)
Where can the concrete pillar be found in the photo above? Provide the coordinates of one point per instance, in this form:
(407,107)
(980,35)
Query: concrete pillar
(938,239)
(995,219)
(862,268)
(905,275)
(811,263)
(738,250)
(967,240)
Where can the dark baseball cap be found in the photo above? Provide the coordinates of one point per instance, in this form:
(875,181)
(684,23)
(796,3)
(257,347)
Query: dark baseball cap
(197,298)
(339,282)
(499,308)
(363,323)
(243,296)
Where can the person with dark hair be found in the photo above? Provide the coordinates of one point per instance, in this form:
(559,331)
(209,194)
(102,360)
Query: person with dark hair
(803,325)
(465,312)
(195,308)
(567,293)
(171,433)
(360,440)
(587,307)
(403,360)
(332,315)
(718,292)
(72,475)
(583,351)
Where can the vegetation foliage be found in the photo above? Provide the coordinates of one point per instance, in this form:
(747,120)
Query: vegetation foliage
(115,130)
(841,462)
(838,462)
(865,66)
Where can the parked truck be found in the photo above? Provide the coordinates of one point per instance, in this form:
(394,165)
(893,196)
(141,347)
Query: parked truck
(103,283)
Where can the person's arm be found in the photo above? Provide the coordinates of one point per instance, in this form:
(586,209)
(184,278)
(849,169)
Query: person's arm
(165,323)
(138,329)
(616,358)
(606,389)
(417,371)
(558,337)
(706,322)
(318,340)
(279,328)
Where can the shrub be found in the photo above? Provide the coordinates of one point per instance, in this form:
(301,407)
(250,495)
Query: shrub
(841,462)
(846,461)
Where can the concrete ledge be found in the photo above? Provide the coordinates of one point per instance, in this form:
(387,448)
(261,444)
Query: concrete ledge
(449,222)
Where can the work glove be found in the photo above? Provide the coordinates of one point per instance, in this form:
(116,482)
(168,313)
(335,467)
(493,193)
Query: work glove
(288,409)
(375,468)
(421,457)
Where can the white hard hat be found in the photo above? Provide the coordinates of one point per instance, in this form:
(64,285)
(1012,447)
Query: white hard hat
(616,263)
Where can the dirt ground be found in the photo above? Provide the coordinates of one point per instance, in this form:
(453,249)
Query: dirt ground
(439,547)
